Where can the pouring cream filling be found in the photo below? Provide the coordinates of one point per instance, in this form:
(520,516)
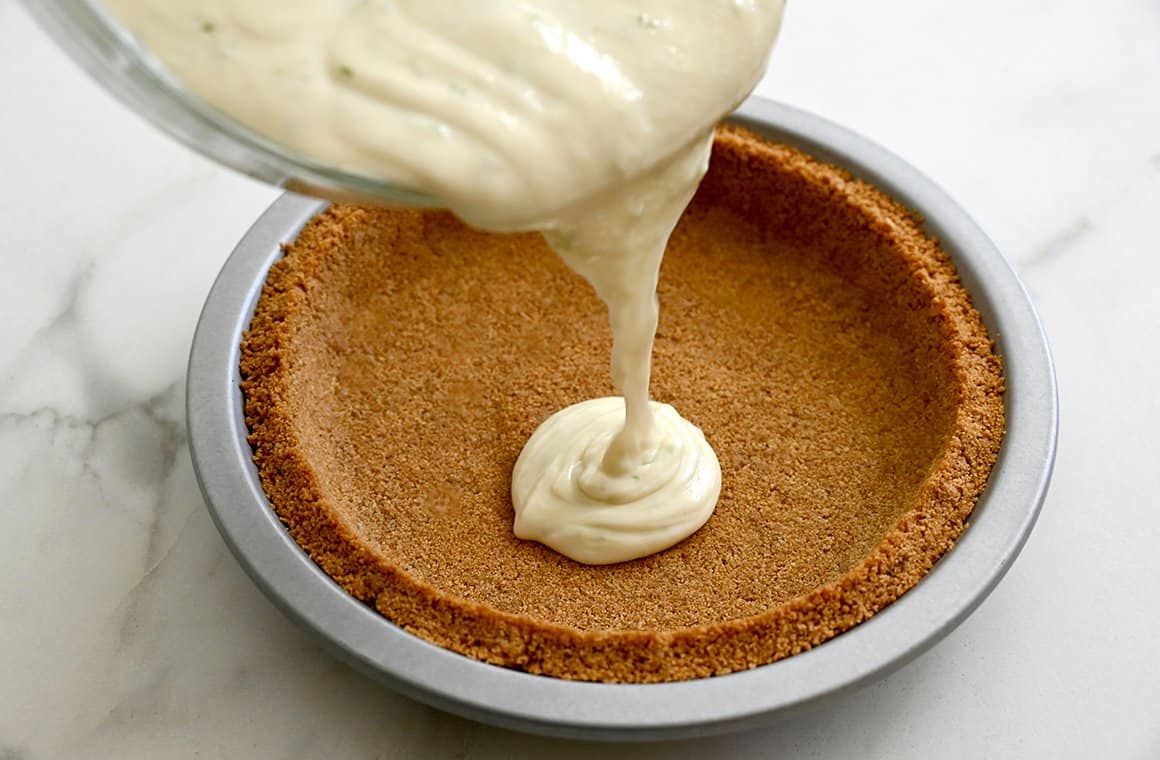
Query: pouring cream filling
(588,121)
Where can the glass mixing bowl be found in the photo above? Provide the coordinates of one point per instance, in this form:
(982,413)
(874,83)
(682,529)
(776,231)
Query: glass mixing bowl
(112,56)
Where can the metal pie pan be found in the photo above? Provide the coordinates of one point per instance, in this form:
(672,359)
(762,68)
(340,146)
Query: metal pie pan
(1002,520)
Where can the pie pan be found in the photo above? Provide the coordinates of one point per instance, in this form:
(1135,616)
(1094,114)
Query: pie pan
(1000,524)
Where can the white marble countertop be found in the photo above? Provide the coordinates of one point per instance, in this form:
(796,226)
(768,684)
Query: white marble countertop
(128,630)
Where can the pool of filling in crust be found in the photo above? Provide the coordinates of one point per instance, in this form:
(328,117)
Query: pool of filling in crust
(399,360)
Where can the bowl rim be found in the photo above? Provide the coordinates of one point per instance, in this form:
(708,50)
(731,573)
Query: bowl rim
(113,57)
(959,582)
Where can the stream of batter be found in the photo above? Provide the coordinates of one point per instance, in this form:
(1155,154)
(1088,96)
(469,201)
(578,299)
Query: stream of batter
(589,121)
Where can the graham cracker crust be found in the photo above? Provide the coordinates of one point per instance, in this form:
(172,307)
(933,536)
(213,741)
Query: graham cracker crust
(398,361)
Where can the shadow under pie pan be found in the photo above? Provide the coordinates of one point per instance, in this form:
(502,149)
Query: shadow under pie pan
(776,512)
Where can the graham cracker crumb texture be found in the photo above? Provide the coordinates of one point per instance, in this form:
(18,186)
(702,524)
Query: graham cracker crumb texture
(399,360)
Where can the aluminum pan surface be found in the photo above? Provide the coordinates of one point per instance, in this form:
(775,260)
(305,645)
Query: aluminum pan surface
(959,582)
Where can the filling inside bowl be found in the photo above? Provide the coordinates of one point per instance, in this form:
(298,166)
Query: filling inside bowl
(399,360)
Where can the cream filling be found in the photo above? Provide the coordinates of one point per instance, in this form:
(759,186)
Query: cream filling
(590,121)
(608,480)
(570,502)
